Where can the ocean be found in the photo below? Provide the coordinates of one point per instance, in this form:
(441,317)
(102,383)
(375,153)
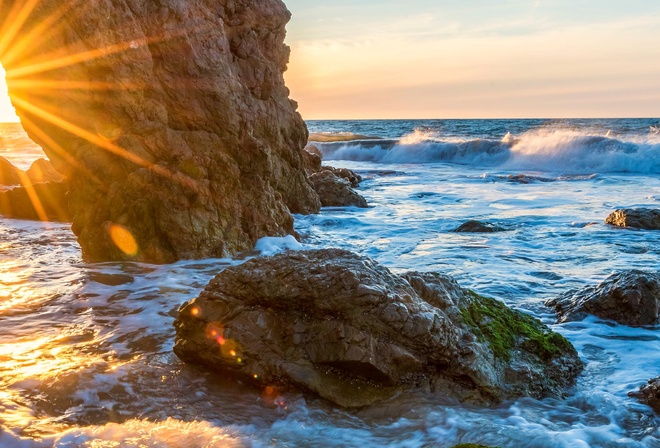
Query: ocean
(86,349)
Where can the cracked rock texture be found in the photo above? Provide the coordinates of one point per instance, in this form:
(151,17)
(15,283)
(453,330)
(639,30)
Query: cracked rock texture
(343,327)
(629,298)
(167,117)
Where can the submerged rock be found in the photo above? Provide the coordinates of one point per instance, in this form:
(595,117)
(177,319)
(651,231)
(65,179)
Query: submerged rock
(335,191)
(630,298)
(43,171)
(649,394)
(637,218)
(190,142)
(9,174)
(478,227)
(39,202)
(345,328)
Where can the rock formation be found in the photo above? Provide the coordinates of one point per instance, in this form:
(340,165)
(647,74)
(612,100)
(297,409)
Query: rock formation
(637,218)
(649,394)
(344,327)
(335,191)
(37,202)
(43,171)
(9,174)
(333,185)
(630,298)
(169,119)
(478,227)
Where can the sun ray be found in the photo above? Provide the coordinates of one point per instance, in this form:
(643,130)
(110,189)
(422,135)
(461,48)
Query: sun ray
(32,129)
(33,197)
(44,29)
(106,144)
(97,53)
(16,19)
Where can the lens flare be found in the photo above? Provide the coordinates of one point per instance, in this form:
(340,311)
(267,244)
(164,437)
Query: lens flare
(123,239)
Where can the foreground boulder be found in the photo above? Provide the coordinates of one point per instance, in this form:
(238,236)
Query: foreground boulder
(630,298)
(649,394)
(335,191)
(183,133)
(478,227)
(345,328)
(38,202)
(637,218)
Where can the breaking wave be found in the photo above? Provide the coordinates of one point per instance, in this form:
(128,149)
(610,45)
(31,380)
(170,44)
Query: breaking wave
(563,151)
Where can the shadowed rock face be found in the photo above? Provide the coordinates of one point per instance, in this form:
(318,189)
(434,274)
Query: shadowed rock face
(649,394)
(637,218)
(168,117)
(629,297)
(343,327)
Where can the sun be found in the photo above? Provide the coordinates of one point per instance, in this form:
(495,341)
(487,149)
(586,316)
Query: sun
(7,112)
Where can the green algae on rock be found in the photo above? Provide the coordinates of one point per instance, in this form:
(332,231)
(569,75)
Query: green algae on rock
(345,328)
(506,329)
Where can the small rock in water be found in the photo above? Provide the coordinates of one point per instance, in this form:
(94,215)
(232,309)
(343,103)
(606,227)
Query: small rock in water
(629,298)
(335,191)
(43,171)
(637,218)
(478,227)
(9,174)
(40,202)
(343,327)
(649,394)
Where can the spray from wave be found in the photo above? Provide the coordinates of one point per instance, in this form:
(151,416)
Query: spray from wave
(544,150)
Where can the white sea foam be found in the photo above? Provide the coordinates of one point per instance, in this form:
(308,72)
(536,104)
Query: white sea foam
(270,245)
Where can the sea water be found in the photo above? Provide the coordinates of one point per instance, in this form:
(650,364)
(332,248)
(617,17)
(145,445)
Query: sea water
(86,349)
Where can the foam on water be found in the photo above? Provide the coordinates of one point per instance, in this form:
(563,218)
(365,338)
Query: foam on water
(86,349)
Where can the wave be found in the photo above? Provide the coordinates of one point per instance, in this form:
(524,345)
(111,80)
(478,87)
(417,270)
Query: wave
(543,150)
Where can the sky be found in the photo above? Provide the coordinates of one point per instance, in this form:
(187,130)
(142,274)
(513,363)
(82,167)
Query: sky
(470,59)
(474,58)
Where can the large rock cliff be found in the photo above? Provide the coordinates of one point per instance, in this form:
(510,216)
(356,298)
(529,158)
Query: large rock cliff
(169,118)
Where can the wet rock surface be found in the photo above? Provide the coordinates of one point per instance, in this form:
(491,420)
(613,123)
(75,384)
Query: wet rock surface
(345,328)
(637,218)
(43,171)
(182,131)
(649,394)
(38,202)
(9,174)
(630,298)
(335,191)
(478,227)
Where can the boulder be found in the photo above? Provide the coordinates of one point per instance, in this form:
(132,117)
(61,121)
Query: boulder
(345,328)
(351,176)
(38,202)
(312,149)
(629,298)
(311,162)
(176,125)
(637,218)
(9,174)
(649,394)
(335,191)
(43,171)
(478,227)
